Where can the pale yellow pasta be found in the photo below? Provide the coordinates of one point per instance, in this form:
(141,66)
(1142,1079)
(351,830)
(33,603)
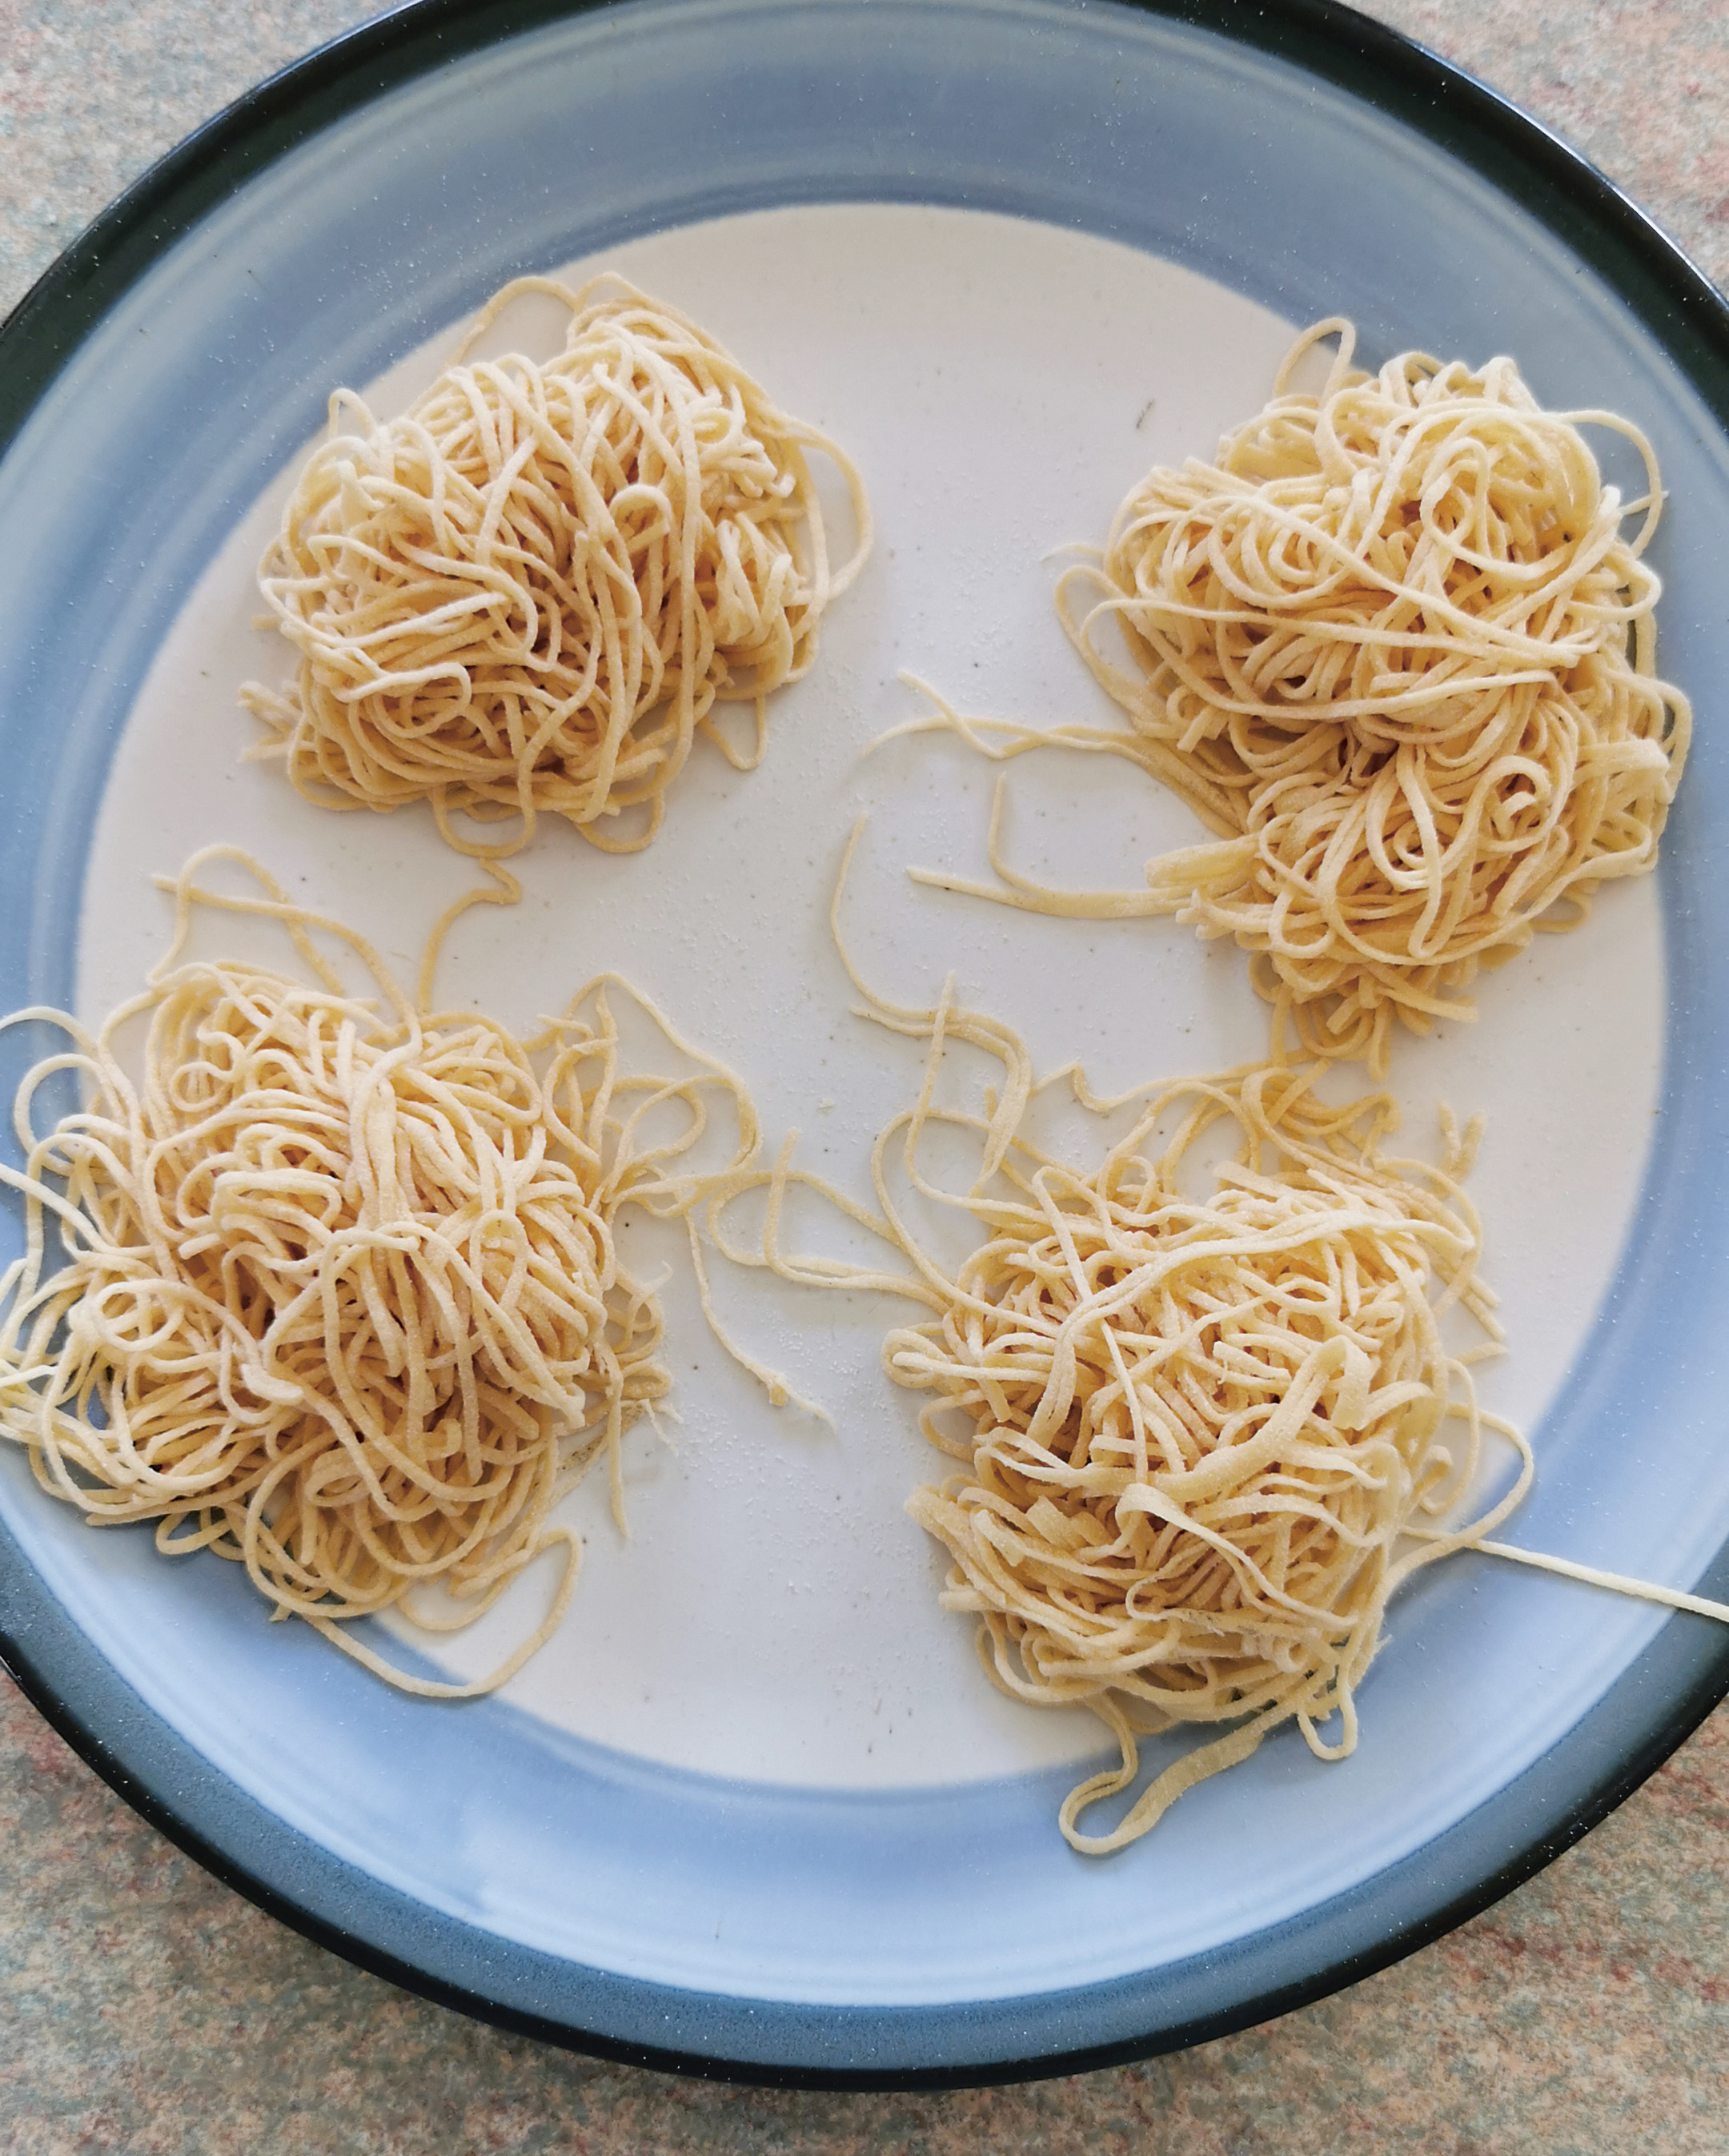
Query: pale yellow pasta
(1203,1413)
(1194,1423)
(340,1296)
(1196,1397)
(530,591)
(1392,646)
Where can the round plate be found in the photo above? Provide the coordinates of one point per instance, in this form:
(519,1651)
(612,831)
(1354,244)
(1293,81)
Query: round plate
(752,1813)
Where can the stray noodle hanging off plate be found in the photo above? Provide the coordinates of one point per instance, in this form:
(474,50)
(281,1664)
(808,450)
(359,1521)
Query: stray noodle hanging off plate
(1392,646)
(341,1298)
(1195,1426)
(530,591)
(1203,1433)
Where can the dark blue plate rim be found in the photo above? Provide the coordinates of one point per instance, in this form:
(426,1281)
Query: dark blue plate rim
(1651,1709)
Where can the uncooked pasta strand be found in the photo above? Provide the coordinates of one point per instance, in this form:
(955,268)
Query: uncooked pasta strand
(1149,1807)
(1174,880)
(1591,1575)
(432,1688)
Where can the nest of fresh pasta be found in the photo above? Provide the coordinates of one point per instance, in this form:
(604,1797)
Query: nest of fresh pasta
(1394,639)
(1195,1424)
(530,591)
(1393,646)
(339,1295)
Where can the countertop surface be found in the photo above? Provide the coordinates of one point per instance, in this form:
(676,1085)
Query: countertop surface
(148,2009)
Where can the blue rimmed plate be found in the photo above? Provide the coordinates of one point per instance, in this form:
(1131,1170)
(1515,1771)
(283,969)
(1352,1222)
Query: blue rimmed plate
(752,1812)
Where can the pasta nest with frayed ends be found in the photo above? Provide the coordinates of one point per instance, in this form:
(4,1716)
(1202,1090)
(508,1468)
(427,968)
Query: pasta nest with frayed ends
(1392,643)
(1200,1396)
(530,591)
(339,1295)
(334,1306)
(1195,1428)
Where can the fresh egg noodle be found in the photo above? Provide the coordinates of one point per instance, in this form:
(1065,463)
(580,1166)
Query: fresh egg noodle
(341,1297)
(1204,1436)
(1192,1424)
(1205,1418)
(531,592)
(1393,648)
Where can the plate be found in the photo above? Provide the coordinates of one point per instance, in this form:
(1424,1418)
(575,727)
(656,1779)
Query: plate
(753,1811)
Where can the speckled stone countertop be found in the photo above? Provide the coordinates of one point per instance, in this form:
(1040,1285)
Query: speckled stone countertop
(148,2009)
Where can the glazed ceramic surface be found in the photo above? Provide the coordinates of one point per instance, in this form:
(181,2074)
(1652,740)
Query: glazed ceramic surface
(755,1803)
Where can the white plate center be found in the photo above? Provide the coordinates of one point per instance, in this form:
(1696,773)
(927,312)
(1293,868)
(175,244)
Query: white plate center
(1002,384)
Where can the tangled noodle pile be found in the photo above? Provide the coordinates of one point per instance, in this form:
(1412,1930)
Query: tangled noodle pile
(341,1298)
(1193,1426)
(1391,645)
(530,591)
